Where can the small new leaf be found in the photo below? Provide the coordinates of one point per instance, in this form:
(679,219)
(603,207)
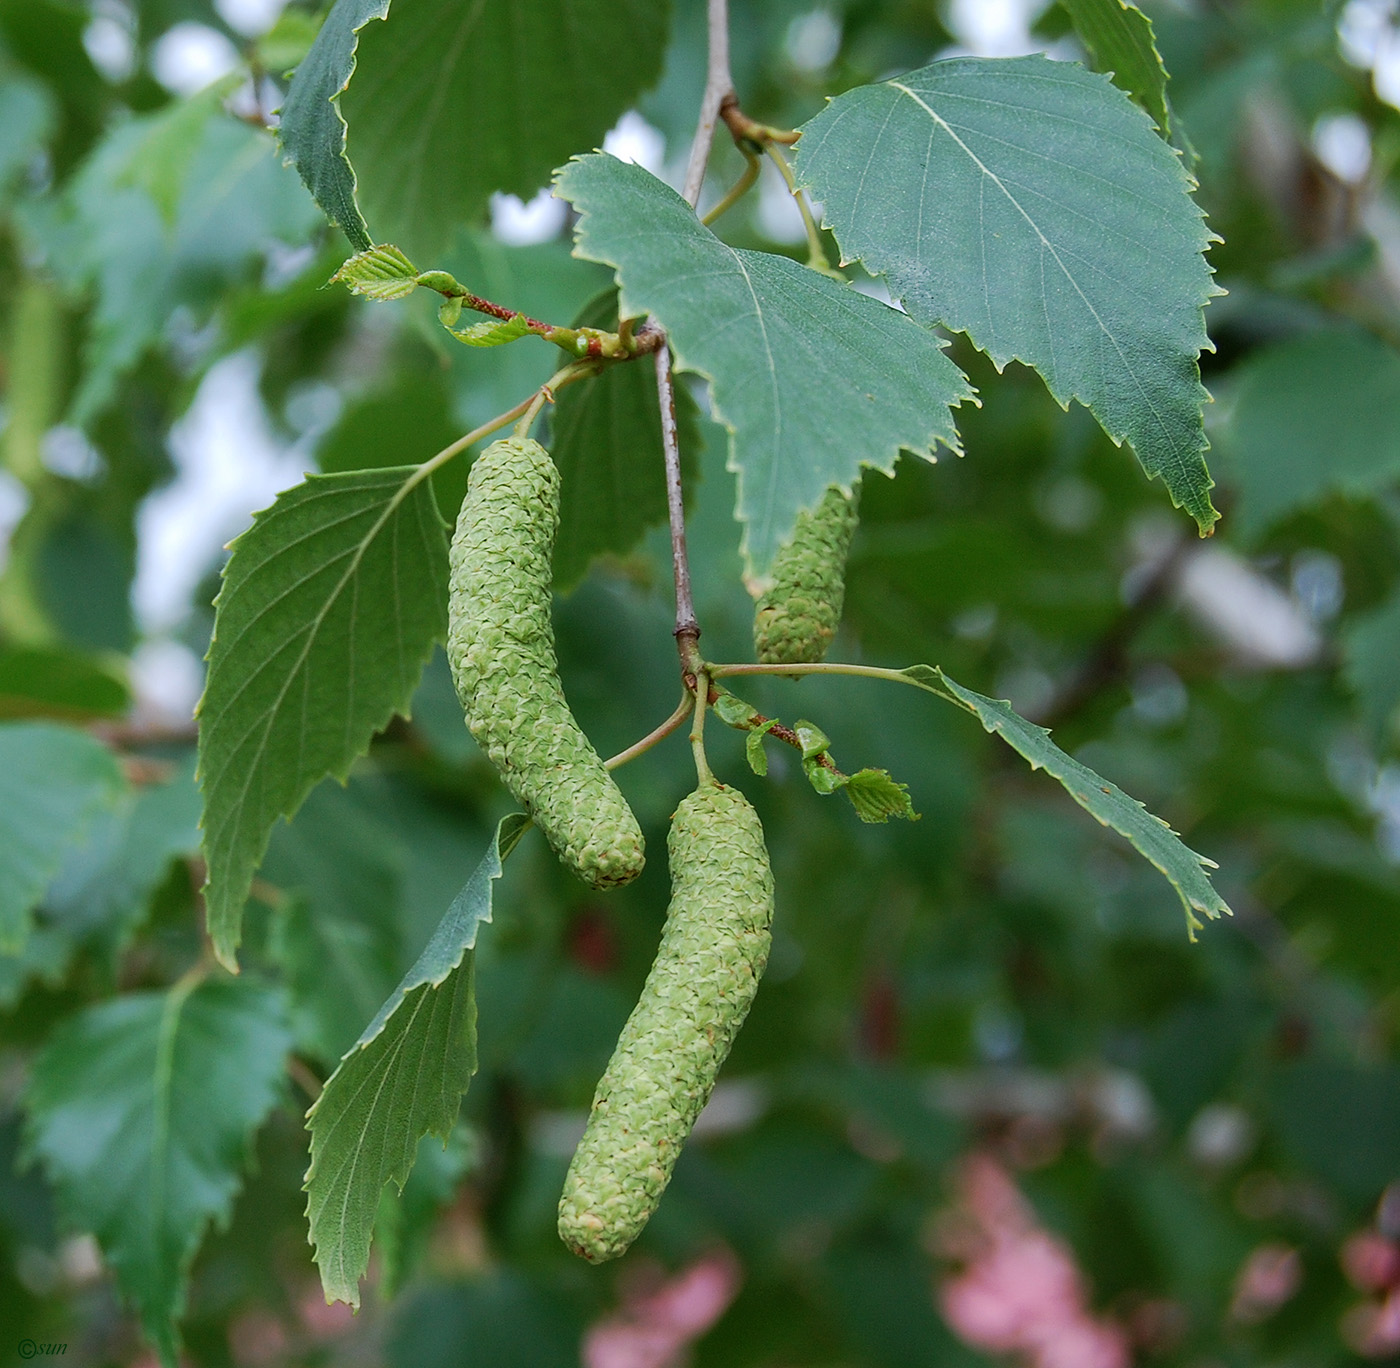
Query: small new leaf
(822,777)
(382,272)
(490,332)
(815,742)
(733,711)
(753,745)
(877,797)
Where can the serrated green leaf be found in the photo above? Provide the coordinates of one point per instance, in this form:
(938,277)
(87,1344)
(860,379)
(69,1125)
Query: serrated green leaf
(822,778)
(1309,417)
(753,745)
(488,332)
(330,606)
(404,1077)
(312,128)
(605,437)
(1150,836)
(812,379)
(141,1111)
(1032,206)
(452,101)
(815,742)
(1120,40)
(877,797)
(380,273)
(54,782)
(1371,659)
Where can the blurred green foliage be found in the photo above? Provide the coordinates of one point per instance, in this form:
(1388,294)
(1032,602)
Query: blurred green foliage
(1002,975)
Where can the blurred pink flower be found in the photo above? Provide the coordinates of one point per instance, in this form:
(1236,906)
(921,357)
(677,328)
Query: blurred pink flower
(1021,1290)
(1268,1277)
(652,1329)
(1373,1328)
(1370,1261)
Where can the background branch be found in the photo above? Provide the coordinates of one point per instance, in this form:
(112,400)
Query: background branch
(719,86)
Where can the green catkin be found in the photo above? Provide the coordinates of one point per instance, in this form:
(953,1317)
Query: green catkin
(500,641)
(794,622)
(713,951)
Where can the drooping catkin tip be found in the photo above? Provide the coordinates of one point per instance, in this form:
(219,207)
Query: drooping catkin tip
(712,953)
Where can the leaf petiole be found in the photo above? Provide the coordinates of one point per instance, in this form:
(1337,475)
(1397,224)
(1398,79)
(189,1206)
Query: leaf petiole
(383,272)
(673,723)
(1153,838)
(738,190)
(816,252)
(531,405)
(697,730)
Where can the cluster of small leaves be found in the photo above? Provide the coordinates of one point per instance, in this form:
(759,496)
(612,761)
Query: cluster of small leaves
(874,795)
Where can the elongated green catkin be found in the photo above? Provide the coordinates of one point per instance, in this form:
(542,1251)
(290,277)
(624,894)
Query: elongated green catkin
(712,953)
(500,641)
(794,622)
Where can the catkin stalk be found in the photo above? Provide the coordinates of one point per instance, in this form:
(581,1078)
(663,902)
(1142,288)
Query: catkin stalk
(500,641)
(713,951)
(794,622)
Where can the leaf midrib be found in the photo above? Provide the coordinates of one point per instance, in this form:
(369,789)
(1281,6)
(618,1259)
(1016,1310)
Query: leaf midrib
(238,805)
(1045,242)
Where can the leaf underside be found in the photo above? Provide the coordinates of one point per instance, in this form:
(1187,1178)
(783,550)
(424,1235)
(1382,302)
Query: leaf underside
(1150,836)
(312,129)
(330,606)
(812,379)
(1031,205)
(404,1077)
